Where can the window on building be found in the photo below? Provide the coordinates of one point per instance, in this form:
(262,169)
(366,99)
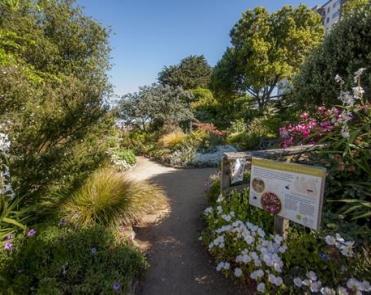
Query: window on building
(328,9)
(327,20)
(335,3)
(336,14)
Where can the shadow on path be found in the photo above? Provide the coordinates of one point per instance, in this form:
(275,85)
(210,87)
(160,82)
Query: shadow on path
(179,262)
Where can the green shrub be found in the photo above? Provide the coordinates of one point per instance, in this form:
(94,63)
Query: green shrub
(12,218)
(59,260)
(126,155)
(53,90)
(260,128)
(109,197)
(345,49)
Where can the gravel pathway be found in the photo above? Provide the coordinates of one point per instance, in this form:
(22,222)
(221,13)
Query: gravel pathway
(179,263)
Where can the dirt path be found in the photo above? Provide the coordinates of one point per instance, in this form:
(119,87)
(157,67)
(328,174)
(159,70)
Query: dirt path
(179,263)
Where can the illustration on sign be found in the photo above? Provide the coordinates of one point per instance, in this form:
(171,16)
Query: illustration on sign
(238,170)
(292,191)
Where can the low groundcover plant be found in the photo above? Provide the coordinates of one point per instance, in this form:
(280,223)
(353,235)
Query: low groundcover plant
(237,235)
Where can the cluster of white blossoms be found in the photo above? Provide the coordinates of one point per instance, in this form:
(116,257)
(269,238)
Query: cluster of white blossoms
(5,184)
(349,99)
(311,282)
(345,247)
(260,257)
(122,165)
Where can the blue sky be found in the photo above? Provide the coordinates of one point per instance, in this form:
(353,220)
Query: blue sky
(149,34)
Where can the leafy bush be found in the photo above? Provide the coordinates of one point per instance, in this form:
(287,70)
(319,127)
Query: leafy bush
(173,139)
(53,89)
(260,128)
(161,107)
(59,260)
(237,235)
(345,131)
(109,197)
(123,159)
(346,48)
(12,218)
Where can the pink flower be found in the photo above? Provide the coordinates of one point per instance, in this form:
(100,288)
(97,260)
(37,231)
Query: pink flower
(304,116)
(31,232)
(8,246)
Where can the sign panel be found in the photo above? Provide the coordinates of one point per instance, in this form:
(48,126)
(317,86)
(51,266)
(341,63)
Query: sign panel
(292,191)
(238,170)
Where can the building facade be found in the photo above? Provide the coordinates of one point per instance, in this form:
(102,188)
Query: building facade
(330,12)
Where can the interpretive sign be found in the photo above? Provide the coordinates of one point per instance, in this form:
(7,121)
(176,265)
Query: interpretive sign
(289,190)
(238,170)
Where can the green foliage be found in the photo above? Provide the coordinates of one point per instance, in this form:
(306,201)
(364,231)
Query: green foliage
(303,251)
(127,155)
(266,48)
(12,218)
(53,82)
(205,107)
(345,49)
(157,105)
(251,135)
(65,261)
(109,198)
(192,72)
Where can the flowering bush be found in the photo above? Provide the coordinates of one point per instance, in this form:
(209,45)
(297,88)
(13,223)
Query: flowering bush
(61,260)
(311,128)
(346,132)
(237,235)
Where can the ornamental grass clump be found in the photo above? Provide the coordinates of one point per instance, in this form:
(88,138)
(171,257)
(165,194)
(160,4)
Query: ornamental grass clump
(111,198)
(173,139)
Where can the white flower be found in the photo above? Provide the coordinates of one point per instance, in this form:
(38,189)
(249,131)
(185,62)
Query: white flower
(330,240)
(339,238)
(338,79)
(275,280)
(347,249)
(315,286)
(278,239)
(220,198)
(237,272)
(249,239)
(208,211)
(227,265)
(257,274)
(312,276)
(298,282)
(352,284)
(358,92)
(328,291)
(346,98)
(261,233)
(342,291)
(358,74)
(220,266)
(261,288)
(282,249)
(345,131)
(366,286)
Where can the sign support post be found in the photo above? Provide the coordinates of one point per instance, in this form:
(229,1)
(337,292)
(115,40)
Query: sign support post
(281,226)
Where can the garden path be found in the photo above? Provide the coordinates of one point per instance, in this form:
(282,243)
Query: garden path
(179,263)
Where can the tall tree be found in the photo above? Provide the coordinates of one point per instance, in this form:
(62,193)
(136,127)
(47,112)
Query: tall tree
(192,72)
(266,48)
(163,106)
